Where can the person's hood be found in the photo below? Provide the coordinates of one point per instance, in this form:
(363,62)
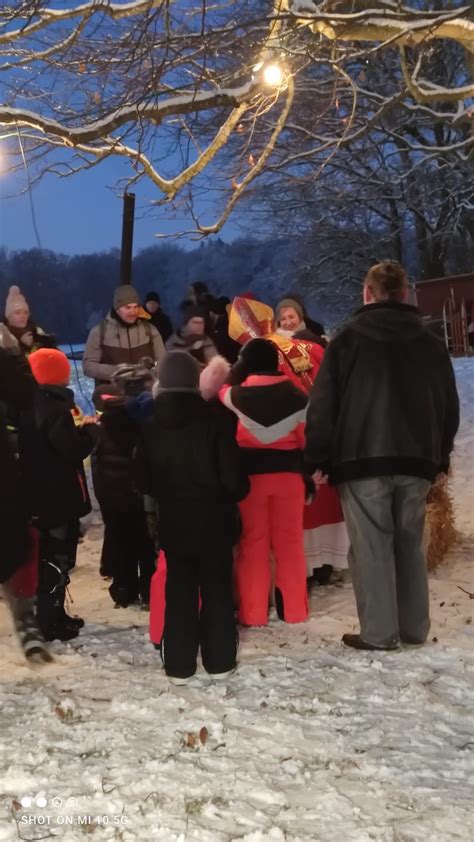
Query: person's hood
(178,409)
(386,321)
(113,409)
(115,418)
(61,394)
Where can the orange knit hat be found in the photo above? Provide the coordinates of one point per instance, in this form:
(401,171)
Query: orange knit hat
(50,367)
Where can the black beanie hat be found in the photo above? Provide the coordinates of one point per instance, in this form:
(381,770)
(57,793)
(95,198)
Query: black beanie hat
(178,371)
(259,356)
(193,312)
(152,296)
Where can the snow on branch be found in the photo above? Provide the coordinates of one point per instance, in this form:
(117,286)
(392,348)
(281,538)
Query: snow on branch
(46,16)
(172,86)
(185,103)
(385,21)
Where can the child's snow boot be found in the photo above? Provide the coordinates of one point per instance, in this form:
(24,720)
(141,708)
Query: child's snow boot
(52,618)
(63,593)
(122,596)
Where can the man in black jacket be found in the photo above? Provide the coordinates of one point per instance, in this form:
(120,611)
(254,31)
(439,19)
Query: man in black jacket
(383,414)
(189,462)
(158,317)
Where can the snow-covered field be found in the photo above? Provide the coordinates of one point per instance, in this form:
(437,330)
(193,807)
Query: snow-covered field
(307,741)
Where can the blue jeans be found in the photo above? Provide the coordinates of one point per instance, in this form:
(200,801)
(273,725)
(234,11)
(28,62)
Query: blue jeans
(385,519)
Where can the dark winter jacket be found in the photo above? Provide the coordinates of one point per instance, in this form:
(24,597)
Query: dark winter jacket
(52,450)
(17,391)
(271,413)
(141,407)
(309,336)
(384,401)
(200,347)
(189,461)
(112,459)
(162,322)
(226,346)
(41,339)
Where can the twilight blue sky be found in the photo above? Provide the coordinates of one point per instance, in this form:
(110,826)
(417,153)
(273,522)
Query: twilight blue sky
(81,214)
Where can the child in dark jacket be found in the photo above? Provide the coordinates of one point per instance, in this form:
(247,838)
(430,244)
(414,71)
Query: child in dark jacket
(52,450)
(128,549)
(189,462)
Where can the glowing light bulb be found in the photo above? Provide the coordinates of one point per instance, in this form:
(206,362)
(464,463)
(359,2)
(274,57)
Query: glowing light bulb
(272,75)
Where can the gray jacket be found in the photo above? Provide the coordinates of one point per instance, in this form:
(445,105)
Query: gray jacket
(200,347)
(111,343)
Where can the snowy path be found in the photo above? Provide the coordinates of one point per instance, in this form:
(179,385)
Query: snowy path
(308,741)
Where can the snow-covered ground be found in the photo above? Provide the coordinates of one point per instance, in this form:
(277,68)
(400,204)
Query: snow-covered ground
(307,741)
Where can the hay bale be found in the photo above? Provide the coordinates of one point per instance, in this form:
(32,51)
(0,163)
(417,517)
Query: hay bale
(440,532)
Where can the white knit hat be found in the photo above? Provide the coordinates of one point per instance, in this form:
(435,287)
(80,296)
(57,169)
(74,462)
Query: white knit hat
(15,301)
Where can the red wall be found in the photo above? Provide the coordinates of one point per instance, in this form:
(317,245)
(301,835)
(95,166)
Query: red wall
(431,295)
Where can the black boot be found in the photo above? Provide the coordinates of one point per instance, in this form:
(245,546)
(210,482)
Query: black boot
(122,596)
(52,619)
(322,575)
(354,641)
(75,622)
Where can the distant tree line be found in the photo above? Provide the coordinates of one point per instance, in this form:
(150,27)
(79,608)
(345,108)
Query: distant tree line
(68,294)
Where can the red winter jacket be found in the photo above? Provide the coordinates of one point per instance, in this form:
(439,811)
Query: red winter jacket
(271,414)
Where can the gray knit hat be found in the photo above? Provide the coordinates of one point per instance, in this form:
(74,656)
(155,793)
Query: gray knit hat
(289,302)
(125,294)
(178,371)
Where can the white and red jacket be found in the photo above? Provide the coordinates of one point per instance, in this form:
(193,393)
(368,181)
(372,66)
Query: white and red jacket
(271,414)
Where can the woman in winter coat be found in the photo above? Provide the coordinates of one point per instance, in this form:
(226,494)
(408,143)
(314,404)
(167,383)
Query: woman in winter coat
(189,463)
(271,414)
(29,336)
(290,323)
(192,337)
(293,321)
(128,553)
(325,534)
